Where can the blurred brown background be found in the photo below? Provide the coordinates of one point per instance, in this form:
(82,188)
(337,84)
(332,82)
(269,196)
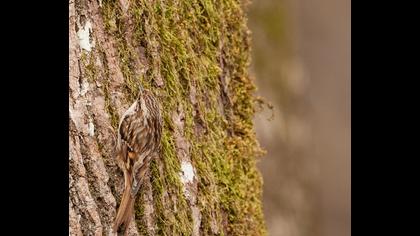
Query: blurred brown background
(301,62)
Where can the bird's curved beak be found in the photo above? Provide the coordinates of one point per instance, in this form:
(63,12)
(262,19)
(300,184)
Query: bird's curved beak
(141,89)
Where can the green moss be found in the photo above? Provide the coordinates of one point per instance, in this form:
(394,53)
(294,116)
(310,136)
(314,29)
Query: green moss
(88,61)
(139,216)
(192,44)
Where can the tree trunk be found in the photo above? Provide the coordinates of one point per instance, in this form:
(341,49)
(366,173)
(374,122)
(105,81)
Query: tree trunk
(194,55)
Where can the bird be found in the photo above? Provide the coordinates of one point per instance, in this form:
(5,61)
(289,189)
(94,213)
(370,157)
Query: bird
(138,142)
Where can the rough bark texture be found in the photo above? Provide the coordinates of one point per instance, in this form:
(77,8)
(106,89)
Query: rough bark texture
(194,55)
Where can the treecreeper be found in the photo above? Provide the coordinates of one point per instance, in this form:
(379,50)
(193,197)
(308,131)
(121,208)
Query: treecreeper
(139,140)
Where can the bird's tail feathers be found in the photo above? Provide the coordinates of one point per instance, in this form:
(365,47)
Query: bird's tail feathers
(125,210)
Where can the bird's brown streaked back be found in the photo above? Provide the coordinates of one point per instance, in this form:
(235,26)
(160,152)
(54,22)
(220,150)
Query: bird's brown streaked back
(139,137)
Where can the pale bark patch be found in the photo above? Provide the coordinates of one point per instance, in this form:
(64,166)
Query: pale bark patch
(84,36)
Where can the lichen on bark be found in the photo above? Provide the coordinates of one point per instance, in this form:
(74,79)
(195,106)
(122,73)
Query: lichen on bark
(194,55)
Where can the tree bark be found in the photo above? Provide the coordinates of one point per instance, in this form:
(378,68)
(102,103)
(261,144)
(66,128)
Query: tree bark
(194,55)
